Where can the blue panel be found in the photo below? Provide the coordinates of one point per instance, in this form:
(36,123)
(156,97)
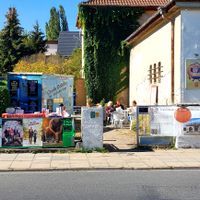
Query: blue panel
(26,91)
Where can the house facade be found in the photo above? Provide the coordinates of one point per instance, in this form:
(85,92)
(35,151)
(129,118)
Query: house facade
(165,56)
(149,7)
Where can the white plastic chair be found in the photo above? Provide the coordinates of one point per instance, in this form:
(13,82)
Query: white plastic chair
(118,119)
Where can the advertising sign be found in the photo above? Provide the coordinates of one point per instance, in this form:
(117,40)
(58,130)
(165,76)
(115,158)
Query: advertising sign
(192,73)
(162,121)
(32,132)
(52,132)
(12,132)
(59,89)
(0,132)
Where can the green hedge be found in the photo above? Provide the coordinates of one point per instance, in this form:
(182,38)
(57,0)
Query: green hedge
(4,99)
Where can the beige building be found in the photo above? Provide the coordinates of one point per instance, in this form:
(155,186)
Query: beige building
(165,53)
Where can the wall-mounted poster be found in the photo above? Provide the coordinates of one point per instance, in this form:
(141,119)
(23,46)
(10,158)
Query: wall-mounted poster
(32,132)
(33,105)
(58,88)
(32,88)
(193,73)
(52,132)
(12,132)
(0,132)
(14,85)
(50,105)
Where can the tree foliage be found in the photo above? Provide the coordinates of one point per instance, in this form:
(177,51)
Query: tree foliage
(4,98)
(34,41)
(52,64)
(57,22)
(63,18)
(104,29)
(11,42)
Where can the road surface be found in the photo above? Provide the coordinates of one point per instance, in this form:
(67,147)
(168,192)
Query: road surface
(101,185)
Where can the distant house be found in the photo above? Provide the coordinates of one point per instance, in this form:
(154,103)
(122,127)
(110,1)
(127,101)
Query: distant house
(67,42)
(165,56)
(52,46)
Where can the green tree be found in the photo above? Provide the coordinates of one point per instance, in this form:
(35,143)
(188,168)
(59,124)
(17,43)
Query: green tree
(34,41)
(63,18)
(53,27)
(37,39)
(11,42)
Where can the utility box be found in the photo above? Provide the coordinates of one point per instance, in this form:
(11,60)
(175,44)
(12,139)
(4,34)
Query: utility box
(92,127)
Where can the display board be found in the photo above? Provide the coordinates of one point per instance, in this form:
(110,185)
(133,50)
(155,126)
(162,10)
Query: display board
(92,127)
(189,136)
(57,89)
(25,91)
(52,132)
(162,121)
(32,128)
(12,132)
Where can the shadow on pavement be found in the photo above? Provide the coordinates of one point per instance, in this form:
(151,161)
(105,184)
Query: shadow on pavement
(113,148)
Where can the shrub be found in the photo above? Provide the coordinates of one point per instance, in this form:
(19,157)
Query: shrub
(4,99)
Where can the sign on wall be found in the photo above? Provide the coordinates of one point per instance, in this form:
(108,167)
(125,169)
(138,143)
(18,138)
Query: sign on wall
(193,73)
(57,89)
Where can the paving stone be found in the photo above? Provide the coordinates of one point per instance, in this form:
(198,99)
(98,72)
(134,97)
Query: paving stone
(25,165)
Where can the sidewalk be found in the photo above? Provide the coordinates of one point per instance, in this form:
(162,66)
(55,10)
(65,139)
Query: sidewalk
(158,159)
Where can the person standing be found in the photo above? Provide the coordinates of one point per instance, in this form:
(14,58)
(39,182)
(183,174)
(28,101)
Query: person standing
(132,113)
(30,135)
(34,136)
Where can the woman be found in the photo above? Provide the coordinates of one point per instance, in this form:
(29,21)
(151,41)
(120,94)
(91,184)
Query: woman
(109,110)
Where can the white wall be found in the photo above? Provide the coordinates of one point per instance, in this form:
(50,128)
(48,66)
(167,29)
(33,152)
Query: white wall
(190,46)
(51,49)
(156,48)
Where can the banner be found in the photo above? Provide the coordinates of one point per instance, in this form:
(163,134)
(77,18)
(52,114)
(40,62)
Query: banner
(32,132)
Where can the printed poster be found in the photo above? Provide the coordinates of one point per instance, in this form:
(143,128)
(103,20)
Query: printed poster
(57,89)
(12,132)
(32,132)
(192,73)
(0,132)
(52,132)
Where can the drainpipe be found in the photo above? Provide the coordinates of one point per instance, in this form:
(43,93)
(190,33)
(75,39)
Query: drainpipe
(172,59)
(172,20)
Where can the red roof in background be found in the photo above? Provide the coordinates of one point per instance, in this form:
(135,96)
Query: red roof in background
(129,3)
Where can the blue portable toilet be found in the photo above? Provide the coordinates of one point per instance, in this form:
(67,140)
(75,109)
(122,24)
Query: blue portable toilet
(26,91)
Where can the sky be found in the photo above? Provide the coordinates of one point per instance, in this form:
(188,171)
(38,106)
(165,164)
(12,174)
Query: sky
(30,11)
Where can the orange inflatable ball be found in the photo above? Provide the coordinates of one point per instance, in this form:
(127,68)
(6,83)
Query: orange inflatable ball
(182,114)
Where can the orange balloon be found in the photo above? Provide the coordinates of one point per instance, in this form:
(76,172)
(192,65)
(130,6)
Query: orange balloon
(182,114)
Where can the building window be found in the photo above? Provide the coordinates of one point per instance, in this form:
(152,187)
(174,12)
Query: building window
(155,73)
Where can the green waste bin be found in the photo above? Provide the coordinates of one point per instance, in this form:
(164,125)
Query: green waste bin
(68,132)
(68,139)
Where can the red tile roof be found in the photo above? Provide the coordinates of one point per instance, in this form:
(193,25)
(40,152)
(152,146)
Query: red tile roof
(129,3)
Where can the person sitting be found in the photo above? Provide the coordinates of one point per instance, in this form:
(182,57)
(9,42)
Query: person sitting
(109,110)
(118,104)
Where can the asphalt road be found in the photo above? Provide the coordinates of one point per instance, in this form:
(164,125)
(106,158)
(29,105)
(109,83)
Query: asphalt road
(100,185)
